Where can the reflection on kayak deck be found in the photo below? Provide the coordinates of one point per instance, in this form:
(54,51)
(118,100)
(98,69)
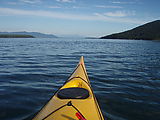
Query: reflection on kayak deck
(75,99)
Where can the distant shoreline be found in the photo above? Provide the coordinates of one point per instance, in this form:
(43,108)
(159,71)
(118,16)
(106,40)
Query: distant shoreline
(15,36)
(24,34)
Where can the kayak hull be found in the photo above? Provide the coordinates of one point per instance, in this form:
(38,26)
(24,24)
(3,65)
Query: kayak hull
(69,106)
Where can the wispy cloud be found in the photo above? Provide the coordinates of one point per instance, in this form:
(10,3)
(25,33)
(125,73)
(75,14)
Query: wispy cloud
(103,16)
(30,1)
(119,13)
(76,7)
(123,2)
(21,2)
(66,7)
(103,6)
(54,7)
(116,14)
(60,15)
(65,1)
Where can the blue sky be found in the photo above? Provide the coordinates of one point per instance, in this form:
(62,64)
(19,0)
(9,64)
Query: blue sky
(76,17)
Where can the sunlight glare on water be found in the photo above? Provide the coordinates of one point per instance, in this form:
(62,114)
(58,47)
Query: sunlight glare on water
(124,74)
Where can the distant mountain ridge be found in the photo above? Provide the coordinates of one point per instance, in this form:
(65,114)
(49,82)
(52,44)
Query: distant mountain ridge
(34,34)
(148,31)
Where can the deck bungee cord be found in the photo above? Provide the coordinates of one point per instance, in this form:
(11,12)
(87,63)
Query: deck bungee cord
(78,114)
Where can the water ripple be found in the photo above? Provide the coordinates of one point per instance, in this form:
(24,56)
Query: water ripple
(124,74)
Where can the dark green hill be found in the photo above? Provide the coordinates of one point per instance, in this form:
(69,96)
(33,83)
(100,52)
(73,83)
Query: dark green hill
(149,31)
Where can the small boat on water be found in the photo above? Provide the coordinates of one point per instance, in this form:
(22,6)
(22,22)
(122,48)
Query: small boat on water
(75,100)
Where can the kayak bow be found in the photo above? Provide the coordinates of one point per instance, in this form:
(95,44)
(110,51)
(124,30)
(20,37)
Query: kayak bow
(75,100)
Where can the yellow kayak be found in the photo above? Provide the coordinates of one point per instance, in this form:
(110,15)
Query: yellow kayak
(75,100)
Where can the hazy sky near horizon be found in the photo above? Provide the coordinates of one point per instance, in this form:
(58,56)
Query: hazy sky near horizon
(76,17)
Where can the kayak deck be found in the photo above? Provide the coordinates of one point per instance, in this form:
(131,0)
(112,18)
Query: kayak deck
(73,101)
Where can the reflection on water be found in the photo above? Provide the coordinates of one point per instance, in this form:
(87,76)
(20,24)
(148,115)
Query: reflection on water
(124,74)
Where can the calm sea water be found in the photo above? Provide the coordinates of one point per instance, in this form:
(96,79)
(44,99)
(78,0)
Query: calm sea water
(124,74)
